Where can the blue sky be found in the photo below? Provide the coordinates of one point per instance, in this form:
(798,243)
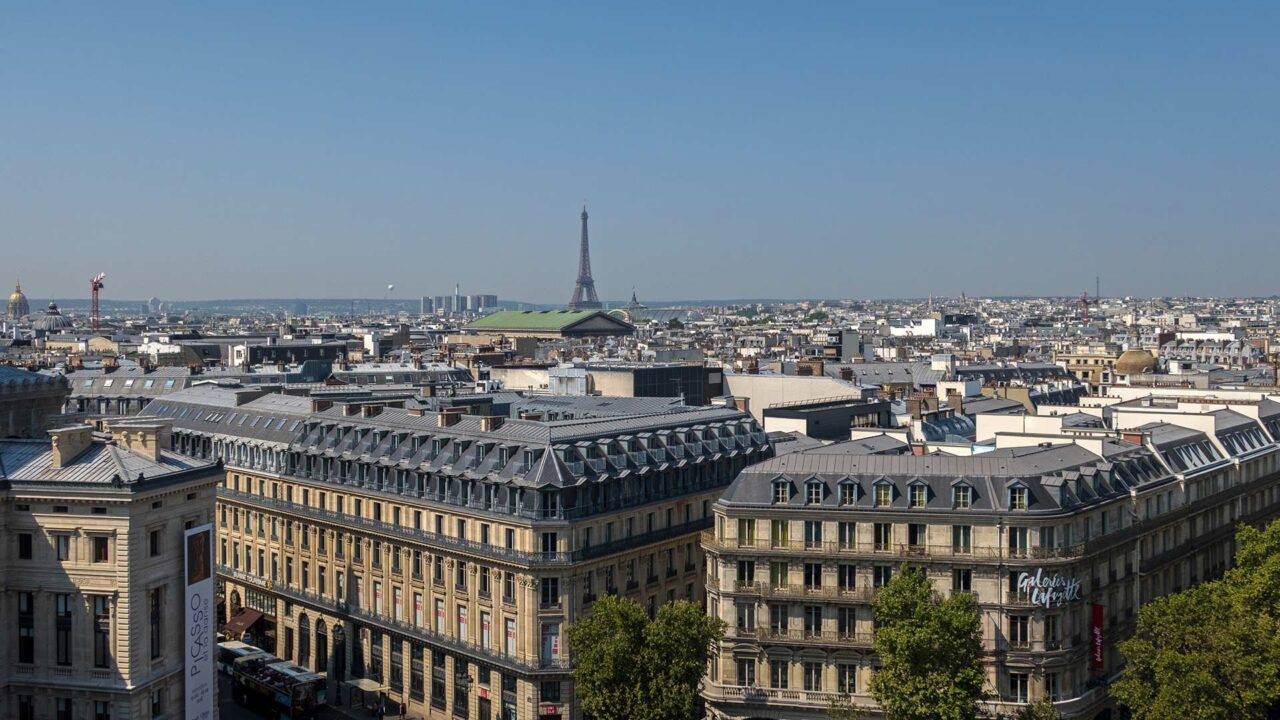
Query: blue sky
(726,150)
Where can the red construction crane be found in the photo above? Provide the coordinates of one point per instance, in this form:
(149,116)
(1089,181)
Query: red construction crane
(94,286)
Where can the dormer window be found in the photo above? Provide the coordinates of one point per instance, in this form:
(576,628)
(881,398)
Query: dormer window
(813,492)
(884,494)
(781,495)
(848,493)
(1017,498)
(919,495)
(961,497)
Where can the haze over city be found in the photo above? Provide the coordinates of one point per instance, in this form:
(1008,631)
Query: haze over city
(740,150)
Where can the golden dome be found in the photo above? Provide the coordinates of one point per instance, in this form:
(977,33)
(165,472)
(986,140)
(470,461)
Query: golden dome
(17,295)
(1135,362)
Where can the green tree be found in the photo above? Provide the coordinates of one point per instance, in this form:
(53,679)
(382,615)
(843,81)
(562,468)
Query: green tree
(626,667)
(675,324)
(1211,652)
(930,651)
(842,707)
(1041,709)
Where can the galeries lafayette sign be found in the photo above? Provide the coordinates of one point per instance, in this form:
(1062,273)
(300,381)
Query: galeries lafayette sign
(1048,590)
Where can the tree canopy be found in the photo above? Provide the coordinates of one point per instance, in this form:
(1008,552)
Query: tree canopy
(627,667)
(930,651)
(1211,652)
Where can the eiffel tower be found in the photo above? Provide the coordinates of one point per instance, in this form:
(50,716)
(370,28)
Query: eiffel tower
(584,292)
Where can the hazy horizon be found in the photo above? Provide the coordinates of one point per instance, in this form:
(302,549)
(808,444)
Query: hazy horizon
(827,150)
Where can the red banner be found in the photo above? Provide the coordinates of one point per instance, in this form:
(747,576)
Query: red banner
(1096,656)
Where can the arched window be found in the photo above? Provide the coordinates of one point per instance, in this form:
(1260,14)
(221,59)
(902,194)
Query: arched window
(304,639)
(322,647)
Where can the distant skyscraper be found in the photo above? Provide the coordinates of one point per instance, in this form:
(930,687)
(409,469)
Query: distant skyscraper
(584,292)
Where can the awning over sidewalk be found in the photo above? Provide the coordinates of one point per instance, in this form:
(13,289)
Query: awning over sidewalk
(241,622)
(364,685)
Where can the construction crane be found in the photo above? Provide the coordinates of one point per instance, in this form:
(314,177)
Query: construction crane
(94,286)
(1084,306)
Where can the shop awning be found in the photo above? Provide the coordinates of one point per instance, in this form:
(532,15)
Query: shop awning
(241,622)
(365,685)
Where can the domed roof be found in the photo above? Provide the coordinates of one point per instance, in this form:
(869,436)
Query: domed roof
(16,296)
(1135,362)
(52,321)
(18,307)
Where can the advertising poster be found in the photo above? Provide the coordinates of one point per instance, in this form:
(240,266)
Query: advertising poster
(1096,655)
(201,689)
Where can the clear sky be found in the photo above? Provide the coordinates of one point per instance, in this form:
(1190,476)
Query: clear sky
(726,150)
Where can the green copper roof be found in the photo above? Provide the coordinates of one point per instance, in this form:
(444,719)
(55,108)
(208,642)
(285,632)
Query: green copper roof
(530,319)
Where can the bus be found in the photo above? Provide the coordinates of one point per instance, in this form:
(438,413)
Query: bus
(277,689)
(232,650)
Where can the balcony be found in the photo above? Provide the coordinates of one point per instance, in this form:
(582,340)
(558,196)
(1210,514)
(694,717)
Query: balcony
(786,546)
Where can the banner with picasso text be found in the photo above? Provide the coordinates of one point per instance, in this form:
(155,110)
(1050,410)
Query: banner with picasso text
(200,688)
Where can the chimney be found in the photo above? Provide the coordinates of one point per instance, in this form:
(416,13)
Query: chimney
(449,417)
(69,442)
(1135,437)
(370,410)
(530,415)
(320,405)
(349,409)
(110,363)
(846,374)
(956,401)
(489,423)
(143,438)
(414,412)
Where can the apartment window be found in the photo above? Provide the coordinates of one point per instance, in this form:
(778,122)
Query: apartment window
(62,709)
(812,620)
(919,495)
(961,538)
(746,615)
(846,678)
(848,576)
(778,572)
(848,493)
(813,493)
(1017,687)
(778,620)
(813,534)
(550,591)
(1052,686)
(746,532)
(813,676)
(1018,501)
(883,535)
(881,575)
(437,570)
(1052,631)
(24,546)
(26,708)
(62,628)
(813,575)
(883,495)
(846,533)
(746,672)
(916,535)
(101,631)
(153,542)
(781,493)
(1017,541)
(779,533)
(155,604)
(460,575)
(509,586)
(1019,630)
(962,497)
(778,674)
(961,580)
(157,702)
(62,546)
(746,572)
(26,628)
(101,710)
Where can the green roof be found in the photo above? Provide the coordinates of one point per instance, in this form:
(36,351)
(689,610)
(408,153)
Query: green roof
(530,319)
